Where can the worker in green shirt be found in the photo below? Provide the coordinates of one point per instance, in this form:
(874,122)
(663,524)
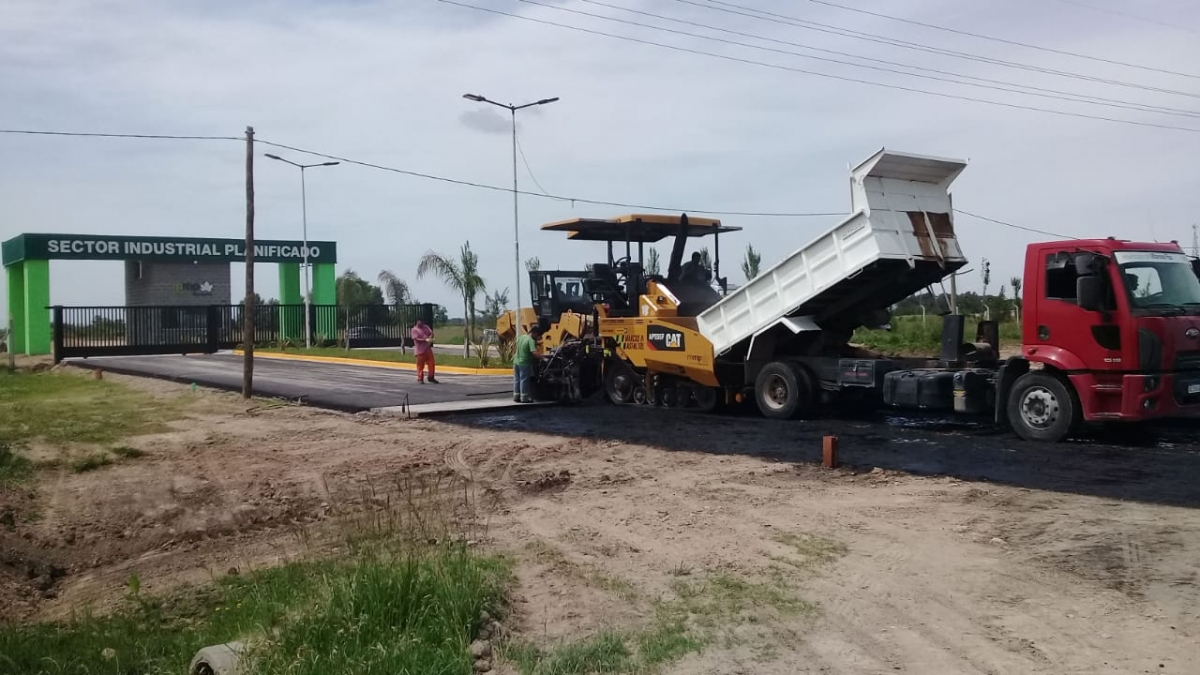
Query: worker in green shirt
(526,352)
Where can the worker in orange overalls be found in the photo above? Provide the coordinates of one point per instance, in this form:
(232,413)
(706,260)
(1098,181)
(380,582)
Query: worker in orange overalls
(422,337)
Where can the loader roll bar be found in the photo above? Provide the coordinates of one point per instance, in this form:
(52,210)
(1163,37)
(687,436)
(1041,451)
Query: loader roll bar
(643,229)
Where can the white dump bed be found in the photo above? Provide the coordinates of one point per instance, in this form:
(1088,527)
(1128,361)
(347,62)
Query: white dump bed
(901,212)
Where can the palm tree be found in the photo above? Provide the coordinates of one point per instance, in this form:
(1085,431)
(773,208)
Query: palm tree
(751,262)
(462,277)
(652,262)
(395,289)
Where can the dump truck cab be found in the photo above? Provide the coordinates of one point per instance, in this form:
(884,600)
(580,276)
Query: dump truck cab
(1119,321)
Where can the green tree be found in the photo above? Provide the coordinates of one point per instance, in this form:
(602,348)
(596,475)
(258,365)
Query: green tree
(493,306)
(652,262)
(441,317)
(751,262)
(395,289)
(1015,282)
(354,291)
(359,301)
(534,264)
(462,277)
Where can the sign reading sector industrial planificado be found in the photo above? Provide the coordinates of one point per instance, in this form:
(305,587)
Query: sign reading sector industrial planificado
(108,247)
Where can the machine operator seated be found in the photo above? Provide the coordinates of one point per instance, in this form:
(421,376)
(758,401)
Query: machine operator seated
(694,271)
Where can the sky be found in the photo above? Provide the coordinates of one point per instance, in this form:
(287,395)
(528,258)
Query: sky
(381,81)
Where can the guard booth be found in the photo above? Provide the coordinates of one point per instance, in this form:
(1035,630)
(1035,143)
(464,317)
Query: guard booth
(177,293)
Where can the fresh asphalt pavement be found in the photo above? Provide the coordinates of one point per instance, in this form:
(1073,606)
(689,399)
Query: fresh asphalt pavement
(351,388)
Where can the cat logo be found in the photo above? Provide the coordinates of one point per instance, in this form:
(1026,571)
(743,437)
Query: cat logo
(665,339)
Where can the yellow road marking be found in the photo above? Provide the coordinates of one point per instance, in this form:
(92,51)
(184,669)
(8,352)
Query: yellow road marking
(451,370)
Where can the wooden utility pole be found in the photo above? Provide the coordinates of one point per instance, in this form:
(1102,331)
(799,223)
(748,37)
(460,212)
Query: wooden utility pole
(248,309)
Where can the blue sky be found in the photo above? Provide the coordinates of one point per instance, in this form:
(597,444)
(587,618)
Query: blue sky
(382,82)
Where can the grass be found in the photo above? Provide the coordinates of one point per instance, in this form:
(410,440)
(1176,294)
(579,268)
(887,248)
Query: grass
(90,462)
(385,355)
(13,467)
(126,452)
(693,615)
(63,408)
(396,612)
(914,336)
(552,557)
(722,597)
(813,549)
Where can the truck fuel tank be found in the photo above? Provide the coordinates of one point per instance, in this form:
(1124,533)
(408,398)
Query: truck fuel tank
(924,388)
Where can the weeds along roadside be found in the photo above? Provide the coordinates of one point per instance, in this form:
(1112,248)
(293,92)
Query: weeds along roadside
(391,583)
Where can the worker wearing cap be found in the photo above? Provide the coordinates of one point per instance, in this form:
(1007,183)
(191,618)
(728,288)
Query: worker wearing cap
(523,358)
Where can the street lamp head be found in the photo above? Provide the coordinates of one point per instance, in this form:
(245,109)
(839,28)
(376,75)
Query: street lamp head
(547,100)
(274,156)
(330,163)
(474,97)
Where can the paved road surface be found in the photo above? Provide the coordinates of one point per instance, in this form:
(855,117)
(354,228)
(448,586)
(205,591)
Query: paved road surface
(341,387)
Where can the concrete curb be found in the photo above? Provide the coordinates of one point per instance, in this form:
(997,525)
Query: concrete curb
(394,365)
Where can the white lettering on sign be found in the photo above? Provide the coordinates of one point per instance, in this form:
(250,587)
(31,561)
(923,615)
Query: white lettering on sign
(83,247)
(1126,257)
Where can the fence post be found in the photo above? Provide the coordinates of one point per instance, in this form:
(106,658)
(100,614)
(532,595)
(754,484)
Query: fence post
(212,324)
(57,333)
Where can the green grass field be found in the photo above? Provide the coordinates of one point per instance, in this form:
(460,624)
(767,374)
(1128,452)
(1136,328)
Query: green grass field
(61,408)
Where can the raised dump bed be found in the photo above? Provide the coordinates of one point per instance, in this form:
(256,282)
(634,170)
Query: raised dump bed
(899,240)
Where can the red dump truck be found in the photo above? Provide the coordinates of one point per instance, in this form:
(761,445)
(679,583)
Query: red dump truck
(1110,328)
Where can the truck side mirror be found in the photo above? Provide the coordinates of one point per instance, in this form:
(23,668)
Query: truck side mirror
(1087,263)
(1089,291)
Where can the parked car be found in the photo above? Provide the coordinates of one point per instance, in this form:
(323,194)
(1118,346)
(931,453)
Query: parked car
(364,333)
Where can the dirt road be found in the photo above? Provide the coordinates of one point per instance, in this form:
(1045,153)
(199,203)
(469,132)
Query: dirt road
(938,549)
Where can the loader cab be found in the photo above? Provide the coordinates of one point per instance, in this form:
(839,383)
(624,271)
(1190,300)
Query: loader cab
(556,292)
(619,281)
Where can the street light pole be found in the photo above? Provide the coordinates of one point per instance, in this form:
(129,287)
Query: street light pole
(304,260)
(516,217)
(304,252)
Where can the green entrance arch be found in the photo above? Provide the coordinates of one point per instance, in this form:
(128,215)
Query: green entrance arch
(27,257)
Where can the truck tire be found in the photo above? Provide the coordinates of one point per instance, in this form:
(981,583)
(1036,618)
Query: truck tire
(1041,407)
(783,391)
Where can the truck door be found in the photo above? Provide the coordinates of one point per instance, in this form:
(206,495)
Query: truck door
(1081,339)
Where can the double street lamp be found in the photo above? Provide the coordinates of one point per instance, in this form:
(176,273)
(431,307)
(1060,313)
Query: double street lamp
(516,230)
(304,216)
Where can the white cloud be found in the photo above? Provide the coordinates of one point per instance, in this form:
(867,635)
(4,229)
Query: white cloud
(383,81)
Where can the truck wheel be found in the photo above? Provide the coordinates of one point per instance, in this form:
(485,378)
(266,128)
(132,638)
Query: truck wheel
(782,391)
(1042,407)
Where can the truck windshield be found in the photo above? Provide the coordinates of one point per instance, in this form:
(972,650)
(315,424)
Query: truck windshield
(1159,281)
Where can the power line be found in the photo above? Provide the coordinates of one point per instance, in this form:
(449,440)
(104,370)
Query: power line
(1036,91)
(1014,43)
(495,188)
(1016,227)
(528,170)
(1127,15)
(100,135)
(904,44)
(776,66)
(581,200)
